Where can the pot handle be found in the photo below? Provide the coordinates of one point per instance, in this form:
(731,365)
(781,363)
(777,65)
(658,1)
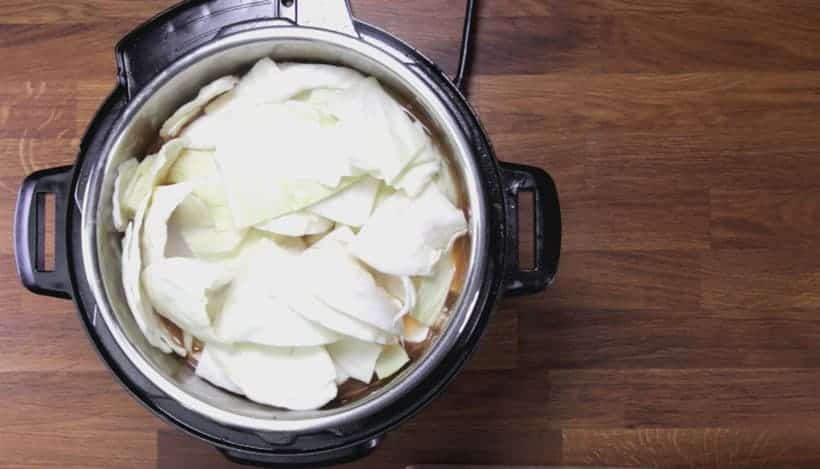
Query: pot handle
(29,232)
(547,228)
(312,459)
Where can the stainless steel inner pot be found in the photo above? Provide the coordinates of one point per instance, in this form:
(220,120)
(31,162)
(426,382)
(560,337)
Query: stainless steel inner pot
(137,128)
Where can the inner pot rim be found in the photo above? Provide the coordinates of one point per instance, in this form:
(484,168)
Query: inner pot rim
(399,385)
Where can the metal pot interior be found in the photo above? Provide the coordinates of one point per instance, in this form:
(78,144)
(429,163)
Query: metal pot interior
(137,129)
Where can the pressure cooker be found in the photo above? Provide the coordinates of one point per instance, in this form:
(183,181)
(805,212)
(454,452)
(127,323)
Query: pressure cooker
(161,65)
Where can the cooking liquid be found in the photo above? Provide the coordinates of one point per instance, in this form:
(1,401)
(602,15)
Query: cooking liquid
(352,389)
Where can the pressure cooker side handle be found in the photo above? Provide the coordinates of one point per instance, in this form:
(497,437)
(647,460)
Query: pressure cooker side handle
(312,459)
(547,228)
(29,232)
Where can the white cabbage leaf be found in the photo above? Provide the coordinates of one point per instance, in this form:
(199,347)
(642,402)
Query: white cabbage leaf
(296,378)
(208,369)
(446,183)
(189,110)
(268,82)
(199,168)
(399,287)
(350,206)
(255,308)
(125,172)
(433,291)
(181,289)
(366,113)
(155,231)
(150,172)
(315,310)
(265,180)
(414,332)
(296,224)
(407,236)
(341,376)
(209,242)
(391,360)
(356,358)
(192,212)
(265,83)
(340,281)
(147,319)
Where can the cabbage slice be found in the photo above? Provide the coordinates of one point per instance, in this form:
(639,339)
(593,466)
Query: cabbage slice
(268,82)
(189,110)
(391,360)
(315,310)
(351,206)
(399,287)
(265,83)
(296,378)
(407,236)
(433,291)
(199,168)
(150,172)
(366,113)
(207,242)
(145,316)
(414,332)
(340,281)
(208,369)
(265,180)
(255,308)
(296,224)
(125,172)
(181,289)
(155,231)
(356,358)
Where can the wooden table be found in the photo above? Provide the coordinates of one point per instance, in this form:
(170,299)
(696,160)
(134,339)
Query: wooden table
(684,329)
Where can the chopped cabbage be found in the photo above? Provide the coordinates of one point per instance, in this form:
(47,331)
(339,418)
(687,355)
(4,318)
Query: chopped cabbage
(180,289)
(351,206)
(189,110)
(297,378)
(155,231)
(356,358)
(150,172)
(147,320)
(125,172)
(296,224)
(391,360)
(208,369)
(407,236)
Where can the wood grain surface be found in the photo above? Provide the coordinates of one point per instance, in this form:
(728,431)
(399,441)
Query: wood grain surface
(683,330)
